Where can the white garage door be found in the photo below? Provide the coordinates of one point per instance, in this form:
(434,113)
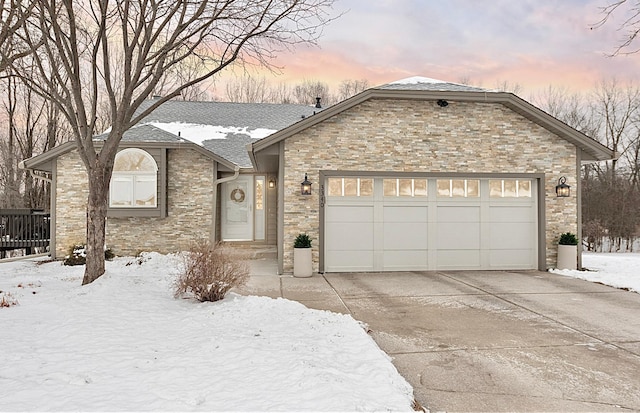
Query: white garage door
(403,224)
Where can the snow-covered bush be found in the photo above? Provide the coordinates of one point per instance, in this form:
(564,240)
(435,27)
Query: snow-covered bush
(209,271)
(78,256)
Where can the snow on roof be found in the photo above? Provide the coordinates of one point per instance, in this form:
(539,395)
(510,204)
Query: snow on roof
(427,84)
(198,133)
(415,80)
(224,128)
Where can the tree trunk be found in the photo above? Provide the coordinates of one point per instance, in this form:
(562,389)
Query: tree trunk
(96,224)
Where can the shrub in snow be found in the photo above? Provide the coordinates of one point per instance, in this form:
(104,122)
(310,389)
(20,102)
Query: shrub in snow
(7,300)
(78,256)
(209,271)
(140,258)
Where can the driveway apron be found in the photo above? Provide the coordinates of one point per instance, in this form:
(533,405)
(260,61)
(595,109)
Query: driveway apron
(490,340)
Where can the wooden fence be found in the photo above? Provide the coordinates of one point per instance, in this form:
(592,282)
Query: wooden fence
(23,229)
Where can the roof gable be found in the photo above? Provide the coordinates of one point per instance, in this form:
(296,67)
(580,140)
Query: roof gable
(434,90)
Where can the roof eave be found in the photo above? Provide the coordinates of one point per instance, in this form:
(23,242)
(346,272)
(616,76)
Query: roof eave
(41,162)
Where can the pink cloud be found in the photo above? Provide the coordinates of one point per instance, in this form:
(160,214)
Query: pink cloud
(526,42)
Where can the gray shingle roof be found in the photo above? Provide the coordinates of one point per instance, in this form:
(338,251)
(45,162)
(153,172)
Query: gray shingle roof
(250,115)
(246,116)
(144,133)
(233,148)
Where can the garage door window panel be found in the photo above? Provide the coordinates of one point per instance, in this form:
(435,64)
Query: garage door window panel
(509,188)
(458,188)
(350,187)
(404,187)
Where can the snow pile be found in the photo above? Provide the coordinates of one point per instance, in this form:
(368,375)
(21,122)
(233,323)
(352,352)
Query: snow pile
(617,270)
(197,133)
(124,343)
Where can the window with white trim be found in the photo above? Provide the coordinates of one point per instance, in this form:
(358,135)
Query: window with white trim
(134,183)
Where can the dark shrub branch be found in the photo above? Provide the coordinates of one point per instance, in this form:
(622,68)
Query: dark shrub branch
(209,271)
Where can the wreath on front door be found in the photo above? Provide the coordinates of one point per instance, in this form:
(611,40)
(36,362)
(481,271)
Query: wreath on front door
(237,195)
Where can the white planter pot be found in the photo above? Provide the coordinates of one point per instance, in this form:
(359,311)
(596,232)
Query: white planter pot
(567,257)
(302,263)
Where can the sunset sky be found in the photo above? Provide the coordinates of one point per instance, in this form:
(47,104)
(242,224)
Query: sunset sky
(532,43)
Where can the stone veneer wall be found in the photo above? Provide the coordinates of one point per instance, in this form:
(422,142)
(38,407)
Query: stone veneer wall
(189,209)
(71,194)
(411,135)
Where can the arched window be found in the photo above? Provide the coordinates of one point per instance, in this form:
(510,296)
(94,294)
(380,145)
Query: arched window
(134,183)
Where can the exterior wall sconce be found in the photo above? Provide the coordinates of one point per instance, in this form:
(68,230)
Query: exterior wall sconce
(562,189)
(442,103)
(272,183)
(305,186)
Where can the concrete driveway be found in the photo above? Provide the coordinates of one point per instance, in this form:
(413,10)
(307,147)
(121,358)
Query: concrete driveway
(489,341)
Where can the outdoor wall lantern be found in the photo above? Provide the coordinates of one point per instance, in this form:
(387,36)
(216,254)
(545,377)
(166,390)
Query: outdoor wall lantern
(562,189)
(442,103)
(305,186)
(272,183)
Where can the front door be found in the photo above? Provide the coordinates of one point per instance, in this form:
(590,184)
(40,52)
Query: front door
(237,209)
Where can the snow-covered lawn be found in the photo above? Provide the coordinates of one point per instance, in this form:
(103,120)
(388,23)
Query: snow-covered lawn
(124,343)
(620,270)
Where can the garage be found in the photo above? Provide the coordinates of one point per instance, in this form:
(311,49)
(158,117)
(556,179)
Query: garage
(417,223)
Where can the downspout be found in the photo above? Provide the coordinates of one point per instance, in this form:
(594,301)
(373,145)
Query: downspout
(579,204)
(236,173)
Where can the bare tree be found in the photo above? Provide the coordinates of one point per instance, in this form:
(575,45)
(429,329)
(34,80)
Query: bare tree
(571,108)
(32,126)
(180,74)
(615,108)
(8,150)
(13,15)
(306,93)
(259,90)
(506,86)
(630,24)
(85,39)
(248,89)
(468,81)
(350,88)
(281,93)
